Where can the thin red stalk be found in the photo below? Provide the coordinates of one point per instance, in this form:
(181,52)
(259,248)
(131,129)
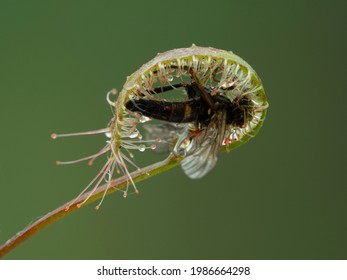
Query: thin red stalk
(60,212)
(120,183)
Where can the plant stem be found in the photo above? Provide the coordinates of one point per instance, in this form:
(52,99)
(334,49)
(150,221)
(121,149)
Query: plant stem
(118,184)
(61,211)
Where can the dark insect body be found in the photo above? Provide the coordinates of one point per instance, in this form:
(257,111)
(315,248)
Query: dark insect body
(198,109)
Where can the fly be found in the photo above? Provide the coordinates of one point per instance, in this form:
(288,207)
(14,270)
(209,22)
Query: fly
(208,118)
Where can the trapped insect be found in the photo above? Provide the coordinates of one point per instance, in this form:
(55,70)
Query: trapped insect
(194,102)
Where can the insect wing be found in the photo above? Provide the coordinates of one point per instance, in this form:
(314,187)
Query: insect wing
(166,132)
(203,151)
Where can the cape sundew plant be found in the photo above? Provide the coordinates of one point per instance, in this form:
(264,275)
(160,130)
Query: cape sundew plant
(191,103)
(199,100)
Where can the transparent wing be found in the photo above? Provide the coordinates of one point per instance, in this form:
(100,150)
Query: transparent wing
(203,149)
(167,132)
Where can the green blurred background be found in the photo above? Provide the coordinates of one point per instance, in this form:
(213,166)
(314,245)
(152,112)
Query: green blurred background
(280,196)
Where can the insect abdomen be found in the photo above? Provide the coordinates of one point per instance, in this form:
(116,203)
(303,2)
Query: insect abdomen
(180,112)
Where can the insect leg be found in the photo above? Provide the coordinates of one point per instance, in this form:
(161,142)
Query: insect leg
(200,90)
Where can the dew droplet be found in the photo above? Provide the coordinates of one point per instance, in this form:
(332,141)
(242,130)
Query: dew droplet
(170,78)
(134,134)
(142,148)
(108,134)
(144,119)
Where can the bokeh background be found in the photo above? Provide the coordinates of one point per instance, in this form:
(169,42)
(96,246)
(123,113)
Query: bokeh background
(280,196)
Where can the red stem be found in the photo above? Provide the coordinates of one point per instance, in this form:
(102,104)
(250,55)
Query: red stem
(61,211)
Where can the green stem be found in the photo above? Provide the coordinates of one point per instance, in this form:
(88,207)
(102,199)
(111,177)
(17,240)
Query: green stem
(61,211)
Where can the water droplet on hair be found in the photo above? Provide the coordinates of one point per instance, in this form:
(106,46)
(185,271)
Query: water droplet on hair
(134,134)
(144,119)
(142,148)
